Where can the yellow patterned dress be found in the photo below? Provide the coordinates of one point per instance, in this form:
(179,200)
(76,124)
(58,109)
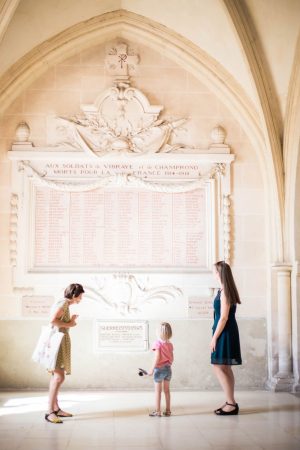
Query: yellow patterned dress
(64,353)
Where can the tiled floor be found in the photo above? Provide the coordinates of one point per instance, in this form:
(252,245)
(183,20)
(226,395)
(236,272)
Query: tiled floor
(119,421)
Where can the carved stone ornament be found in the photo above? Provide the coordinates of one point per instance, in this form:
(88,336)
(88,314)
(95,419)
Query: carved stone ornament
(22,132)
(226,227)
(13,229)
(124,294)
(120,120)
(22,135)
(218,135)
(121,60)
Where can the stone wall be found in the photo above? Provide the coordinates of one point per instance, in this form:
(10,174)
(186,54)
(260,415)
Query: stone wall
(60,91)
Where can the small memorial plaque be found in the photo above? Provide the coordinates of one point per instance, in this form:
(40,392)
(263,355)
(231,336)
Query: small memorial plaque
(36,306)
(121,336)
(200,307)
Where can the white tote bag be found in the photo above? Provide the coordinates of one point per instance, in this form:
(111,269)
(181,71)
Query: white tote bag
(46,350)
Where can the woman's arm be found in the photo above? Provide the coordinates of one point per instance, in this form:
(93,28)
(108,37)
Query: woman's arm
(155,361)
(225,307)
(59,323)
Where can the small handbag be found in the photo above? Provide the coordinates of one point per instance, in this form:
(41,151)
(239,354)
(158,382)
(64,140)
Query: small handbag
(46,350)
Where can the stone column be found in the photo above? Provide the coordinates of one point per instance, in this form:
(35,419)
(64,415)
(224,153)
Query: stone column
(296,324)
(283,380)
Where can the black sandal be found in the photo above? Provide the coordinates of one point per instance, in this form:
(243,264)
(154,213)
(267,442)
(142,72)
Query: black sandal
(62,415)
(57,420)
(234,412)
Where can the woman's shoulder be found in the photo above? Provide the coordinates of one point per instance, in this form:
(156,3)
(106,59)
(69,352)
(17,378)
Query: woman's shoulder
(59,304)
(218,294)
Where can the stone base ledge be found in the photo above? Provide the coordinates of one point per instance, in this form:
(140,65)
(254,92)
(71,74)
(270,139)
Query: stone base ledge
(281,383)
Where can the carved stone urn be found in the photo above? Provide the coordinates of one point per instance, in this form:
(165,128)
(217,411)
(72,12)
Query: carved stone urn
(22,132)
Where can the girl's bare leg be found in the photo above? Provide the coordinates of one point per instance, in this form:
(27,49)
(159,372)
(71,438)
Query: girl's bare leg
(158,389)
(167,395)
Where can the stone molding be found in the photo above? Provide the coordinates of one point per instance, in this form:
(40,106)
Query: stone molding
(13,229)
(130,181)
(291,152)
(226,227)
(7,10)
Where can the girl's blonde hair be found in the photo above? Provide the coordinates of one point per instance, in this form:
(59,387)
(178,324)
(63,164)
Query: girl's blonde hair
(165,331)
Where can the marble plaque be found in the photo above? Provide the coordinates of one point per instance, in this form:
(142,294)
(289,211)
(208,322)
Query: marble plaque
(36,306)
(121,336)
(200,307)
(119,228)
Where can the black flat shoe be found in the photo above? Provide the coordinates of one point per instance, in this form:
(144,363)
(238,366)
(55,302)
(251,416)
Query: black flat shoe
(55,420)
(216,411)
(234,412)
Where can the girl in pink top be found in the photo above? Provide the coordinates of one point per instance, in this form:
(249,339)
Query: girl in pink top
(161,368)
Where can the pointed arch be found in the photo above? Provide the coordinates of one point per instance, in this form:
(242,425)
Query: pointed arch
(270,123)
(135,27)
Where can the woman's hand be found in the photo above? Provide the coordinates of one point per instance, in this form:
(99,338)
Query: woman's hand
(213,344)
(150,373)
(73,320)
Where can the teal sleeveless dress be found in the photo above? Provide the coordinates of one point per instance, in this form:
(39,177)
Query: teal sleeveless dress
(228,350)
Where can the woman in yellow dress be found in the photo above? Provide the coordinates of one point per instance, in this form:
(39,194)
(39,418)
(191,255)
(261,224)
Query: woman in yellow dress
(60,317)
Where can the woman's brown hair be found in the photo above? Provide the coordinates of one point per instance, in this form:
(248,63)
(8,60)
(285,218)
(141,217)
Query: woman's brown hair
(226,277)
(73,290)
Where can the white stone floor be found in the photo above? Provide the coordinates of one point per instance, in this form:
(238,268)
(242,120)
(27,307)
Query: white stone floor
(120,421)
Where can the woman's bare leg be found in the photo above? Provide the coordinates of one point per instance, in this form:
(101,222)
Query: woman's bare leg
(231,380)
(226,379)
(56,381)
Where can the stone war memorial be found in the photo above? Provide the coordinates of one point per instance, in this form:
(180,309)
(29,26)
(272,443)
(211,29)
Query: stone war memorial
(141,143)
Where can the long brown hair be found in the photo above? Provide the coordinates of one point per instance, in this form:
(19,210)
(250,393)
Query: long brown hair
(226,277)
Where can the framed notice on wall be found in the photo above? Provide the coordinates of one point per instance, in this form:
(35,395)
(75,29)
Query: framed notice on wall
(114,229)
(121,336)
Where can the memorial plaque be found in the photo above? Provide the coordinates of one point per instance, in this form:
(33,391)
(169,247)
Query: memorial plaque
(121,336)
(36,306)
(115,228)
(200,307)
(151,170)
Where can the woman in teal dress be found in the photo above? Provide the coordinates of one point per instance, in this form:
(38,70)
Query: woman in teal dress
(225,343)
